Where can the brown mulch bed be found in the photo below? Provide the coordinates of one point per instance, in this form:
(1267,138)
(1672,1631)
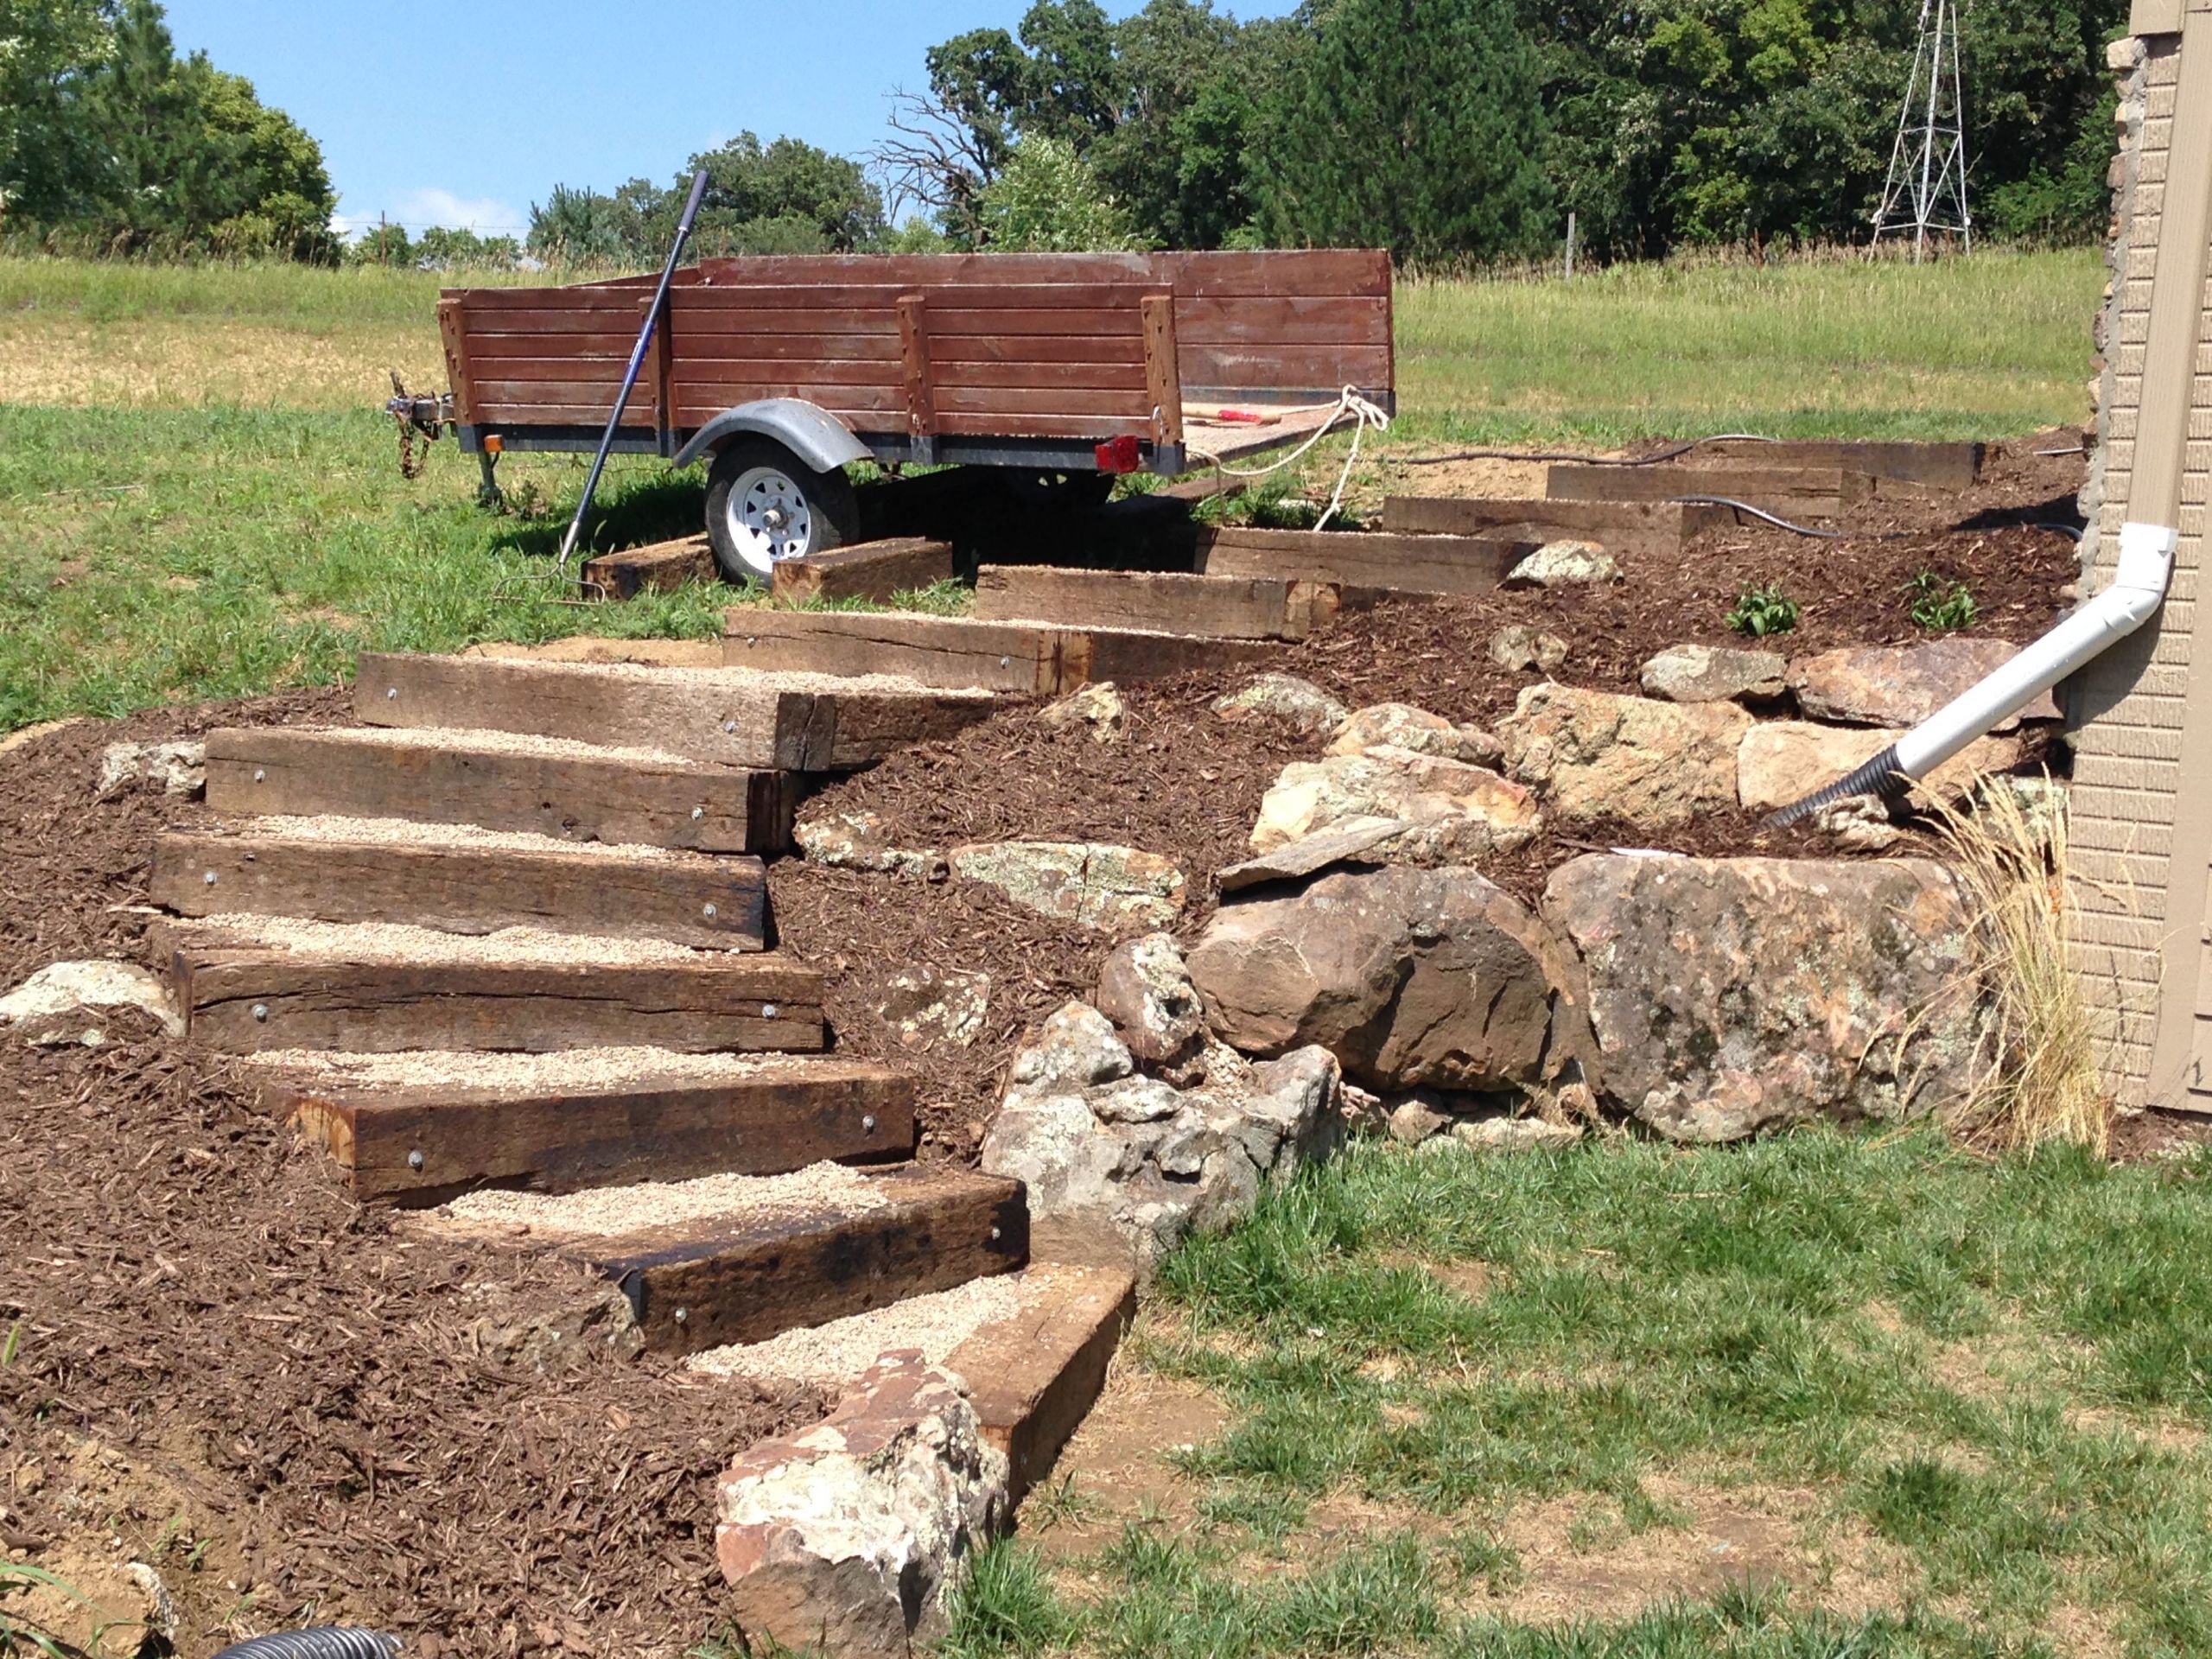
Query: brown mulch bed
(211,1332)
(311,1388)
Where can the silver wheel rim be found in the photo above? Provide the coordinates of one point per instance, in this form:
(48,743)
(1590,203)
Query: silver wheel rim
(768,517)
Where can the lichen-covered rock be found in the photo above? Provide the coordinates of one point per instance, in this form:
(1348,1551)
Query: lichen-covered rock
(1133,1164)
(1564,564)
(1352,842)
(175,768)
(1522,649)
(71,1002)
(1714,673)
(924,1007)
(1299,704)
(1401,726)
(1091,884)
(845,1539)
(1145,989)
(1728,996)
(1782,762)
(1597,754)
(1454,811)
(862,840)
(1412,978)
(1097,708)
(1902,685)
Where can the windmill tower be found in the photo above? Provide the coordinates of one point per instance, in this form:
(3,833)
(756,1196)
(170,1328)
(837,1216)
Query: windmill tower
(1927,190)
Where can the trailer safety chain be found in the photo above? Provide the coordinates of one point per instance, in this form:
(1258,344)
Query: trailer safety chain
(1350,404)
(423,417)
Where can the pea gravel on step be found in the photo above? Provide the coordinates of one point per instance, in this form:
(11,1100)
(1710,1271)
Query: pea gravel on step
(405,832)
(570,1070)
(393,942)
(935,1326)
(821,1190)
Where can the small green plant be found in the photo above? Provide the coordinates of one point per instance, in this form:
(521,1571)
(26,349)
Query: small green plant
(1762,611)
(1939,607)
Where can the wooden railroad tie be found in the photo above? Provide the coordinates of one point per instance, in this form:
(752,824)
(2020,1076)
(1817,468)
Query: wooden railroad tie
(1197,606)
(660,568)
(1365,563)
(871,571)
(1659,527)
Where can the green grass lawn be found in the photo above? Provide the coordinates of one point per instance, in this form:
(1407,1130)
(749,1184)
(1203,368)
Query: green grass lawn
(201,501)
(1972,1395)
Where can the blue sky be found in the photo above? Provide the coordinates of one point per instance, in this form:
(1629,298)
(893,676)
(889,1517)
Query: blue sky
(466,114)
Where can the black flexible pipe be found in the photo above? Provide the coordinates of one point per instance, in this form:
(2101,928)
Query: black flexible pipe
(332,1642)
(1882,777)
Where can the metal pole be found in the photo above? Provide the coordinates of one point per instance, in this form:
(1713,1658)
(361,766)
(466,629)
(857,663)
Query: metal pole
(637,363)
(1926,203)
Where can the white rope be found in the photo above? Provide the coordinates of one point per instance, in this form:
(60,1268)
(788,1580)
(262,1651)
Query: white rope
(1349,403)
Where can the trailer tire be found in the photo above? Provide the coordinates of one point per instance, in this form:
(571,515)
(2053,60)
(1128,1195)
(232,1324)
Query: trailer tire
(765,505)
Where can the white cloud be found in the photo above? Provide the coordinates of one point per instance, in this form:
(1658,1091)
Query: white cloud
(420,209)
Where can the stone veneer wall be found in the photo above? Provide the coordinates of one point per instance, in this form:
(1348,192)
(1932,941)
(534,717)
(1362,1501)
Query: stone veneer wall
(2127,708)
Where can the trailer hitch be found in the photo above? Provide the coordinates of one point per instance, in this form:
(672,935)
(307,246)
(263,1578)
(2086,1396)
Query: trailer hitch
(424,416)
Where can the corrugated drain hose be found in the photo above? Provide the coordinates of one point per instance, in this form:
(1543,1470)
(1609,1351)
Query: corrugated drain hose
(332,1642)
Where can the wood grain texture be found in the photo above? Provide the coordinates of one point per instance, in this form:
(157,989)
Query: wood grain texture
(665,1128)
(313,999)
(1947,467)
(734,719)
(1663,527)
(267,772)
(1163,376)
(1825,491)
(662,567)
(1034,1377)
(1126,656)
(455,887)
(942,1227)
(871,571)
(1210,607)
(1371,562)
(945,651)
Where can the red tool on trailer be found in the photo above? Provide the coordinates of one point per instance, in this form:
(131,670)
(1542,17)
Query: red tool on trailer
(1063,370)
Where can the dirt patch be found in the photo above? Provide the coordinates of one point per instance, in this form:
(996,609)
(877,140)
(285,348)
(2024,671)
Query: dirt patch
(2141,1137)
(1119,1467)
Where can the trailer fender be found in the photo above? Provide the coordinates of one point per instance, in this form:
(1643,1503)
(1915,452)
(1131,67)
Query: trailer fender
(808,430)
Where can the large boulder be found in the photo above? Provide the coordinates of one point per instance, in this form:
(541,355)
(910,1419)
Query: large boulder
(1782,762)
(1728,996)
(845,1539)
(1092,884)
(1902,685)
(1454,811)
(1596,755)
(1118,1163)
(1714,673)
(1412,978)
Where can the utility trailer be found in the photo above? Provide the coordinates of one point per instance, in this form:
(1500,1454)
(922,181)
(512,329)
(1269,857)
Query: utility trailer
(1060,370)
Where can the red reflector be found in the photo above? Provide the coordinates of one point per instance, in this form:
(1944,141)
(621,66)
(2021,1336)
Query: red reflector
(1119,456)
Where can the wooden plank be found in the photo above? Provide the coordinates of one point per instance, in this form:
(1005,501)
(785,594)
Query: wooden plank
(592,415)
(740,1282)
(1660,527)
(708,353)
(1034,1376)
(612,319)
(459,886)
(885,294)
(424,1143)
(662,567)
(1940,466)
(453,334)
(568,796)
(1041,350)
(1808,489)
(1381,562)
(1275,368)
(1126,655)
(949,651)
(1211,607)
(1091,428)
(914,346)
(617,298)
(1052,402)
(736,719)
(247,999)
(1163,376)
(1360,271)
(1036,376)
(872,570)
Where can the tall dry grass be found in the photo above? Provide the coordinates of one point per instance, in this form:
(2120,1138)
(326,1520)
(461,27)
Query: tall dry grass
(2039,1076)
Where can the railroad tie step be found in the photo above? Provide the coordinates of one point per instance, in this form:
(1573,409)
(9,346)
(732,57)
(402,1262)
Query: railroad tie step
(780,722)
(1034,1348)
(419,1128)
(562,788)
(742,1258)
(456,879)
(248,984)
(1198,606)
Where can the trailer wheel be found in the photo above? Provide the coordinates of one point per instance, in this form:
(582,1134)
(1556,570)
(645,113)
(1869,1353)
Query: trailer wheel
(765,505)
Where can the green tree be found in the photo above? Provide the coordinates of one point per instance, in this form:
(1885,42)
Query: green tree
(1415,125)
(1047,200)
(47,46)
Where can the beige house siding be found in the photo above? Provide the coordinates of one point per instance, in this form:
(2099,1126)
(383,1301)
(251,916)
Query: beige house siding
(2142,885)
